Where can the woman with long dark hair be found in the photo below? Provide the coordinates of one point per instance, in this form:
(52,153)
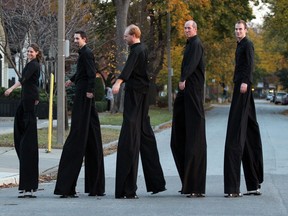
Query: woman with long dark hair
(25,123)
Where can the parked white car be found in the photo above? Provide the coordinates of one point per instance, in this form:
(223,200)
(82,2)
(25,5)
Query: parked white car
(269,96)
(279,96)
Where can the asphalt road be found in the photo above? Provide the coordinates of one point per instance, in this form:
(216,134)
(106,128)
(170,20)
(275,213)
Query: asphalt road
(274,200)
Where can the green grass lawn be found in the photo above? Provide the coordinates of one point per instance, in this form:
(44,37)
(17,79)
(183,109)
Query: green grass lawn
(108,135)
(157,117)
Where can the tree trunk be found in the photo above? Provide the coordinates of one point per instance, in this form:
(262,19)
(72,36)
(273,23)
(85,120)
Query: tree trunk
(122,7)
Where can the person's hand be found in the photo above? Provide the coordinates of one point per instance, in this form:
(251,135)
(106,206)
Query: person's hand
(68,83)
(89,95)
(8,92)
(115,88)
(182,85)
(243,88)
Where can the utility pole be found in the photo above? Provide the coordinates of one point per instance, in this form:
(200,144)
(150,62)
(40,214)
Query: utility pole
(169,88)
(61,73)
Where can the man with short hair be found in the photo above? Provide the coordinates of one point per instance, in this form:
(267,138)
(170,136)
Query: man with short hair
(84,139)
(243,140)
(188,136)
(136,133)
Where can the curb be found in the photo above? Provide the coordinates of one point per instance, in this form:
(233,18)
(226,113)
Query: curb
(12,179)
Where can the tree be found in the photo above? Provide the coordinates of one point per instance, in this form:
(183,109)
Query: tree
(215,20)
(275,40)
(121,51)
(267,61)
(276,25)
(122,7)
(27,21)
(283,77)
(22,24)
(216,29)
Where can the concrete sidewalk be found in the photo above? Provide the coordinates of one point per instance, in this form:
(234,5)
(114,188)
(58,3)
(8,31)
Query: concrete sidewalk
(9,168)
(48,162)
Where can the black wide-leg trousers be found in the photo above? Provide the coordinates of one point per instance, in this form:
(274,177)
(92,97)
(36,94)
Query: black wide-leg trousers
(26,145)
(243,143)
(84,140)
(188,140)
(137,136)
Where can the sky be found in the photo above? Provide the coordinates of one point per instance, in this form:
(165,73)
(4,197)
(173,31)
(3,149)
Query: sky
(259,11)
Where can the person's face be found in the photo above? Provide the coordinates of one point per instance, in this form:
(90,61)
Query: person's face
(79,40)
(240,31)
(129,39)
(31,53)
(189,30)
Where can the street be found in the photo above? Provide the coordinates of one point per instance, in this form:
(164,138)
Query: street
(273,201)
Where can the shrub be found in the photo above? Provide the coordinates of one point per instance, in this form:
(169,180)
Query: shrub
(101,106)
(162,102)
(2,90)
(99,93)
(99,90)
(16,94)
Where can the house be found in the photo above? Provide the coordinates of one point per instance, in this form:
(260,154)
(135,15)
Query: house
(3,61)
(9,50)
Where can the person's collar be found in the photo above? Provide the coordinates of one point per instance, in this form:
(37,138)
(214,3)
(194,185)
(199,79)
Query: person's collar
(82,48)
(191,38)
(34,59)
(239,41)
(135,44)
(243,39)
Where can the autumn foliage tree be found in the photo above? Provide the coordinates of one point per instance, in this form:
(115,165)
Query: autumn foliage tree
(105,22)
(215,20)
(275,37)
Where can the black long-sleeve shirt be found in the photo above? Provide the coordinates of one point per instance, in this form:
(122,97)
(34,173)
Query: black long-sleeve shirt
(134,73)
(244,61)
(193,61)
(86,70)
(30,80)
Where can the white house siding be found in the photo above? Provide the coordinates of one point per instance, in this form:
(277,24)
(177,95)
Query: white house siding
(4,64)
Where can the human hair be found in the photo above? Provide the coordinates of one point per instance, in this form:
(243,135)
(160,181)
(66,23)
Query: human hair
(36,48)
(134,30)
(82,34)
(242,22)
(192,23)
